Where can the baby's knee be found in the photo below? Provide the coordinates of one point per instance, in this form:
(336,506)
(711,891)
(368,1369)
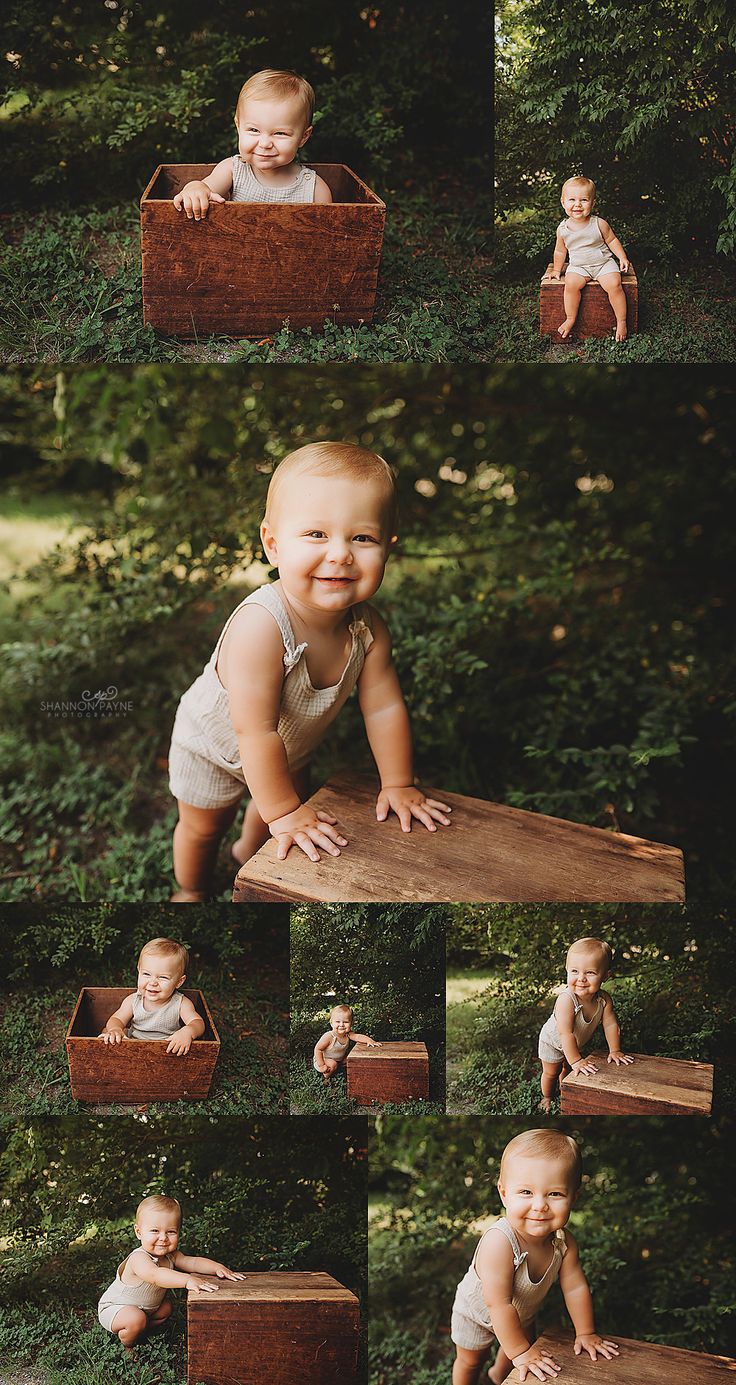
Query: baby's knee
(131,1321)
(163,1311)
(611,283)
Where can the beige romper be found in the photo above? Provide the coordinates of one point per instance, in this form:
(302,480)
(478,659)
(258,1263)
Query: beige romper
(336,1049)
(204,760)
(247,188)
(149,1297)
(471,1324)
(588,253)
(550,1044)
(160,1023)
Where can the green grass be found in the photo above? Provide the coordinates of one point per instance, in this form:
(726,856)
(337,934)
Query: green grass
(250,1078)
(69,1347)
(71,292)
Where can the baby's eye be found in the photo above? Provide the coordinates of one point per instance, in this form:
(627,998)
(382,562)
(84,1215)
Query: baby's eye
(365,538)
(315,534)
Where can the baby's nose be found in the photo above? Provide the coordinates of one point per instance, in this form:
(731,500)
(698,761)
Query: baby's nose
(339,552)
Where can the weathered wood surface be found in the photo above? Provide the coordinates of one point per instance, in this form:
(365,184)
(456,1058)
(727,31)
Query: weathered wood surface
(640,1363)
(136,1070)
(596,317)
(490,854)
(278,1328)
(648,1087)
(397,1071)
(249,266)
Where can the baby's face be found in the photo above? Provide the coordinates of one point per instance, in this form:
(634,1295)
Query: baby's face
(577,202)
(538,1195)
(586,972)
(329,538)
(158,977)
(158,1232)
(270,132)
(340,1024)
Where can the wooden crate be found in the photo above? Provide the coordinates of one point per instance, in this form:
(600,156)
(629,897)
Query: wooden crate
(490,854)
(394,1072)
(273,1329)
(646,1087)
(640,1363)
(596,317)
(137,1070)
(248,266)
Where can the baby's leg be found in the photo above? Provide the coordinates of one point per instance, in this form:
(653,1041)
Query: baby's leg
(129,1324)
(574,285)
(163,1312)
(614,288)
(197,837)
(255,833)
(550,1074)
(331,1066)
(467,1364)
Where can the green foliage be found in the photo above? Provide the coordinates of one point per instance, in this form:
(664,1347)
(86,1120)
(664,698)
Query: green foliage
(667,985)
(650,1224)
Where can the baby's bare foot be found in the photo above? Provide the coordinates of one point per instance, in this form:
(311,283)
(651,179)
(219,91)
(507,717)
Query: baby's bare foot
(566,327)
(545,1105)
(621,331)
(188,897)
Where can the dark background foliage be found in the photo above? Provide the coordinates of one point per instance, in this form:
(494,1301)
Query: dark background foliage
(670,985)
(561,603)
(249,1197)
(652,1226)
(387,962)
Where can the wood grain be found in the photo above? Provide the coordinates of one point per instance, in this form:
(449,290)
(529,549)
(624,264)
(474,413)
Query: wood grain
(596,317)
(490,854)
(397,1071)
(136,1070)
(275,1327)
(648,1086)
(249,266)
(640,1363)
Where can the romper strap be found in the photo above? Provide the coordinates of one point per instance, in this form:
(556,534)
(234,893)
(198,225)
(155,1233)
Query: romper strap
(508,1231)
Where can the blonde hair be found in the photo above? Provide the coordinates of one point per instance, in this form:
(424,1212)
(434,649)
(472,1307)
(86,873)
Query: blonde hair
(604,950)
(331,459)
(580,181)
(281,86)
(166,947)
(544,1144)
(158,1202)
(343,1009)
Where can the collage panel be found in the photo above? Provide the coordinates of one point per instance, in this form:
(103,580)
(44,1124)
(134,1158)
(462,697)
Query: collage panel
(625,1211)
(367,1009)
(247,1251)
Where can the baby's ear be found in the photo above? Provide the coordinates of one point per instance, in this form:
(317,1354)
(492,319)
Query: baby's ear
(268,540)
(305,136)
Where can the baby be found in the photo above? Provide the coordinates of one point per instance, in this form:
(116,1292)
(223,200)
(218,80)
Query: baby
(286,661)
(589,241)
(517,1261)
(331,1050)
(136,1301)
(157,1010)
(579,1009)
(273,118)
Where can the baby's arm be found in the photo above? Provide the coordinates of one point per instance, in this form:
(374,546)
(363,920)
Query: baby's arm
(495,1266)
(319,1049)
(559,257)
(195,197)
(389,736)
(613,1033)
(614,244)
(565,1016)
(252,669)
(363,1039)
(193,1028)
(321,190)
(114,1031)
(201,1264)
(144,1268)
(579,1305)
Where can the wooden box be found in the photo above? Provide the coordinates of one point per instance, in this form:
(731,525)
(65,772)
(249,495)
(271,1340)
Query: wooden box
(394,1072)
(646,1087)
(289,1327)
(640,1363)
(248,266)
(490,854)
(137,1070)
(595,318)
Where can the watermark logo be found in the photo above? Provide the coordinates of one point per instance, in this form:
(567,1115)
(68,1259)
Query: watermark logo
(102,705)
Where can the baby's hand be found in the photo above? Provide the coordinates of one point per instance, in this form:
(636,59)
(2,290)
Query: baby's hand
(595,1346)
(537,1362)
(223,1272)
(111,1036)
(307,830)
(373,1043)
(583,1066)
(197,1283)
(408,803)
(180,1042)
(195,199)
(624,265)
(616,1056)
(553,274)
